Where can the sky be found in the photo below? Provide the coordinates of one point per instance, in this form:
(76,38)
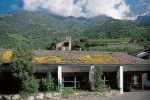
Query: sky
(77,8)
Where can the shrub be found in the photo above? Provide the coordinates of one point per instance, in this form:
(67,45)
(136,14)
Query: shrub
(49,83)
(67,91)
(23,69)
(98,81)
(0,64)
(30,85)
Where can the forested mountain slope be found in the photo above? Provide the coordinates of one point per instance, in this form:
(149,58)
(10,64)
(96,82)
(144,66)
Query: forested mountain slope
(113,29)
(40,30)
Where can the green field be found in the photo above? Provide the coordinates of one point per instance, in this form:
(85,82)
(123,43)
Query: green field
(118,45)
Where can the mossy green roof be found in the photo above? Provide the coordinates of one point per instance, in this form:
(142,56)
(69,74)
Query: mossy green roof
(85,57)
(81,57)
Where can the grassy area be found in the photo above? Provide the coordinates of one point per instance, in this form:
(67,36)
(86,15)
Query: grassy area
(117,45)
(131,46)
(144,44)
(120,40)
(125,48)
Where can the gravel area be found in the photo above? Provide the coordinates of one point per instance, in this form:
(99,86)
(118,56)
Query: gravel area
(145,95)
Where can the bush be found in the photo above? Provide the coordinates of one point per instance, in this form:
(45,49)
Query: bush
(23,69)
(98,89)
(30,85)
(98,81)
(49,83)
(0,62)
(67,91)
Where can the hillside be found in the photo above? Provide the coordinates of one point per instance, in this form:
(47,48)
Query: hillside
(39,29)
(119,29)
(144,19)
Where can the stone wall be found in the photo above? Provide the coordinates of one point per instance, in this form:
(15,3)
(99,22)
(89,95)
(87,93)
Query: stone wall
(61,45)
(48,96)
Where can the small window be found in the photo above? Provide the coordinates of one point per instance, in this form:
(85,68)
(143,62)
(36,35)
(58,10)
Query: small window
(148,76)
(66,44)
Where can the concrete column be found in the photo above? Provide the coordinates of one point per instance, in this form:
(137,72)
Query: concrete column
(91,77)
(59,77)
(120,79)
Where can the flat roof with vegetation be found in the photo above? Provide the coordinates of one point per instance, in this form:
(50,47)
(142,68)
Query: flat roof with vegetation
(79,57)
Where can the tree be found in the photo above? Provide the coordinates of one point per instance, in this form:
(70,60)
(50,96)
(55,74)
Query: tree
(53,44)
(98,81)
(0,64)
(81,42)
(23,69)
(49,83)
(0,60)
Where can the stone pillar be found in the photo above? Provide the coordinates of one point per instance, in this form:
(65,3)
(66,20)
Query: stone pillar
(59,77)
(91,77)
(120,79)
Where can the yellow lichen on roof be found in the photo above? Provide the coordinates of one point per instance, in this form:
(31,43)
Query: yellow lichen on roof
(7,56)
(47,59)
(78,57)
(97,58)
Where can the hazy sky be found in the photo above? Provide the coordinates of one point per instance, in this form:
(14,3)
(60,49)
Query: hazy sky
(76,8)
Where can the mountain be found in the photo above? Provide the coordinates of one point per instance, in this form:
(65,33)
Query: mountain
(134,15)
(114,29)
(39,29)
(144,19)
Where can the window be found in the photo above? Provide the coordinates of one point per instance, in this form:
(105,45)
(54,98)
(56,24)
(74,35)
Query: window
(135,79)
(70,81)
(74,82)
(66,44)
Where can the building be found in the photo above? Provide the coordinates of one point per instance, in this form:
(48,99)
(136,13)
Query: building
(74,69)
(65,45)
(145,54)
